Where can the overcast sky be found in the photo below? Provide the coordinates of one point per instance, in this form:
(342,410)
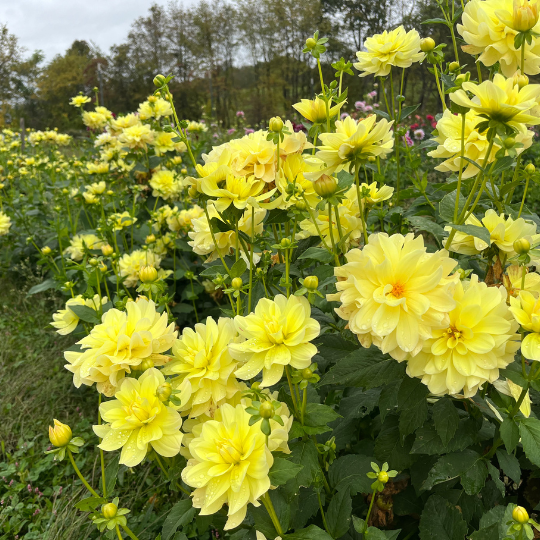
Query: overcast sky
(52,25)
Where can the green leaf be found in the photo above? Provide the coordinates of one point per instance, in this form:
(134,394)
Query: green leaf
(447,205)
(220,226)
(428,225)
(502,164)
(407,111)
(86,314)
(390,447)
(43,286)
(282,471)
(435,21)
(305,453)
(496,477)
(181,514)
(277,216)
(441,520)
(350,473)
(368,368)
(338,514)
(111,472)
(311,533)
(319,415)
(509,465)
(509,434)
(468,465)
(446,419)
(474,230)
(529,429)
(238,268)
(317,254)
(412,405)
(429,442)
(90,503)
(333,347)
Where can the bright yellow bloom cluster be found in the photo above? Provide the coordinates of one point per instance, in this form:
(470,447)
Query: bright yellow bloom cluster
(120,220)
(230,464)
(79,101)
(203,367)
(395,48)
(119,344)
(489,28)
(5,223)
(131,263)
(94,120)
(65,320)
(165,184)
(277,334)
(503,233)
(526,310)
(480,339)
(137,136)
(182,219)
(155,108)
(394,293)
(80,243)
(137,419)
(449,133)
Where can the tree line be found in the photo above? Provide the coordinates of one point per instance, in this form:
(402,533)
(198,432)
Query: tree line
(225,55)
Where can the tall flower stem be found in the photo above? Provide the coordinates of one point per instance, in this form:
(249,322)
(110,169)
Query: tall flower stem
(461,154)
(214,238)
(524,196)
(523,45)
(128,531)
(101,456)
(331,232)
(293,395)
(441,94)
(86,484)
(396,137)
(272,513)
(322,512)
(314,219)
(360,208)
(370,506)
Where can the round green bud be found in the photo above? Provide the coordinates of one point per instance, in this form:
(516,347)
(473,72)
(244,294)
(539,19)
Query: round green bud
(148,274)
(237,283)
(307,373)
(285,243)
(93,262)
(46,250)
(530,168)
(453,67)
(520,515)
(189,275)
(427,44)
(159,81)
(266,410)
(301,205)
(509,142)
(325,186)
(109,510)
(383,477)
(522,246)
(65,191)
(164,391)
(311,282)
(310,43)
(275,124)
(147,364)
(192,191)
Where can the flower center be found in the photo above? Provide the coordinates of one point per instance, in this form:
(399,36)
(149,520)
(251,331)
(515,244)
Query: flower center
(398,290)
(229,451)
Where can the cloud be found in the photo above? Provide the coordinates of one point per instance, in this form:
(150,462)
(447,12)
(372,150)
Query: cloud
(52,25)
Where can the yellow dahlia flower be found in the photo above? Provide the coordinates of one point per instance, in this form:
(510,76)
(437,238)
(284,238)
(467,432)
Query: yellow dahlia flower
(501,100)
(105,139)
(165,184)
(375,196)
(97,188)
(394,294)
(509,388)
(292,174)
(230,465)
(293,142)
(79,101)
(65,320)
(136,418)
(395,48)
(131,263)
(105,112)
(513,278)
(526,310)
(5,223)
(479,339)
(197,127)
(475,143)
(203,367)
(118,125)
(121,220)
(503,233)
(314,110)
(94,120)
(80,243)
(182,219)
(489,28)
(353,140)
(237,190)
(156,109)
(201,238)
(277,334)
(253,155)
(137,136)
(119,344)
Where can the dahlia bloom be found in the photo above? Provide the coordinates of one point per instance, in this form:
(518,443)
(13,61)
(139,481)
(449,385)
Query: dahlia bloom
(230,464)
(514,276)
(165,184)
(395,48)
(254,155)
(131,263)
(526,310)
(79,101)
(292,171)
(480,338)
(314,110)
(157,109)
(5,223)
(94,120)
(119,344)
(80,243)
(137,419)
(137,136)
(394,294)
(121,220)
(276,335)
(203,367)
(182,219)
(65,320)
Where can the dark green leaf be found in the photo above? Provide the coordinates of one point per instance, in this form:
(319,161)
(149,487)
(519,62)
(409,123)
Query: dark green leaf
(90,503)
(319,415)
(304,453)
(181,514)
(350,473)
(529,429)
(389,446)
(277,216)
(447,206)
(43,286)
(338,514)
(446,419)
(428,225)
(502,164)
(473,230)
(441,520)
(238,268)
(86,314)
(317,254)
(282,471)
(311,533)
(333,347)
(509,465)
(407,111)
(412,405)
(509,434)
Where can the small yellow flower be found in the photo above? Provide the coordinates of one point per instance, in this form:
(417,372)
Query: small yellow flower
(526,310)
(314,110)
(512,280)
(60,435)
(65,320)
(137,419)
(157,109)
(180,220)
(165,184)
(395,48)
(230,465)
(80,243)
(94,120)
(121,220)
(5,223)
(137,136)
(277,334)
(79,101)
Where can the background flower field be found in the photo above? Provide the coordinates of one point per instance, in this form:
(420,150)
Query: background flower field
(322,326)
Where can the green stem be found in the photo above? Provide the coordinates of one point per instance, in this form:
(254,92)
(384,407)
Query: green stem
(524,195)
(461,154)
(272,513)
(322,512)
(118,533)
(441,95)
(101,456)
(86,484)
(314,219)
(129,532)
(214,239)
(304,403)
(523,45)
(360,208)
(293,395)
(331,232)
(370,506)
(251,256)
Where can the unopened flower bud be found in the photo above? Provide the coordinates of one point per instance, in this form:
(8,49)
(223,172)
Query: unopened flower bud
(148,274)
(311,282)
(301,205)
(325,185)
(109,510)
(237,283)
(159,81)
(285,243)
(65,191)
(189,275)
(525,16)
(152,99)
(427,44)
(151,238)
(453,67)
(107,250)
(520,515)
(164,391)
(183,171)
(46,250)
(110,192)
(522,246)
(266,410)
(310,43)
(307,373)
(102,267)
(276,124)
(192,191)
(530,168)
(509,142)
(522,81)
(383,477)
(93,262)
(60,434)
(147,364)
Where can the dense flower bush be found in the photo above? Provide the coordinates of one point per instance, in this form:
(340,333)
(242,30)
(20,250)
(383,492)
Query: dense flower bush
(309,332)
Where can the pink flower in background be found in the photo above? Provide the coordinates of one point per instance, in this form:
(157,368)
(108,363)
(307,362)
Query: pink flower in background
(408,140)
(376,105)
(368,108)
(419,134)
(249,130)
(240,114)
(231,131)
(372,94)
(344,115)
(215,135)
(430,118)
(360,105)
